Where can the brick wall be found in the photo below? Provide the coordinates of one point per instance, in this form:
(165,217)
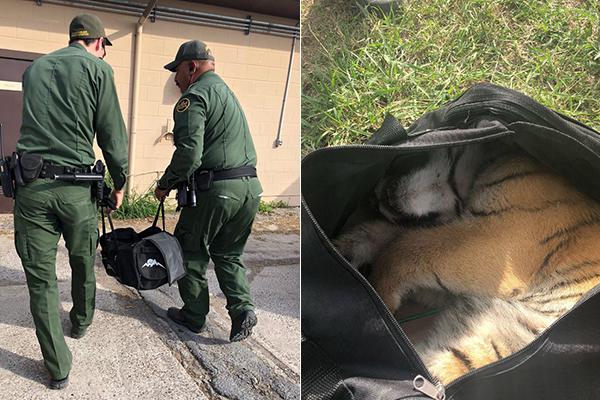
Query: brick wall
(254,66)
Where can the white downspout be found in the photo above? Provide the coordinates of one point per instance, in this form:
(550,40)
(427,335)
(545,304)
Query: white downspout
(137,55)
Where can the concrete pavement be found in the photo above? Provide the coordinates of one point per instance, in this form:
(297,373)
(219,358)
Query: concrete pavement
(133,351)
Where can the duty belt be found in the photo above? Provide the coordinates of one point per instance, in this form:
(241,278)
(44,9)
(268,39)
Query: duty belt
(50,171)
(223,174)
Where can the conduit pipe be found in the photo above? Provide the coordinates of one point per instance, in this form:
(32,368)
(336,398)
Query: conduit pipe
(137,57)
(181,15)
(278,141)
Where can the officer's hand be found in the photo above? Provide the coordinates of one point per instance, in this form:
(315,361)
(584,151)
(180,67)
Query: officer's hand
(117,197)
(161,193)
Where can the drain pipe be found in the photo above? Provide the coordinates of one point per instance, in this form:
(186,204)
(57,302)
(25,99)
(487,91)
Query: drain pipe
(136,92)
(278,142)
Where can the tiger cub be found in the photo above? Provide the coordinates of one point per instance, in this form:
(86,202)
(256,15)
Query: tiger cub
(505,244)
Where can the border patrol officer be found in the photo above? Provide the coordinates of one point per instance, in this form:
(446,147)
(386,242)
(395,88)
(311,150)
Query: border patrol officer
(212,140)
(69,95)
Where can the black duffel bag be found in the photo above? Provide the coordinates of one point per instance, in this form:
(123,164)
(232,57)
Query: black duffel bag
(352,346)
(144,260)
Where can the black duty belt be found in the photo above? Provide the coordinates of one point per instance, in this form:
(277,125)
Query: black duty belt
(49,170)
(223,174)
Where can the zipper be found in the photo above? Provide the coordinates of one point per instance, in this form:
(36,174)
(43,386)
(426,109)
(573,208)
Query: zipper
(397,332)
(422,385)
(512,103)
(495,107)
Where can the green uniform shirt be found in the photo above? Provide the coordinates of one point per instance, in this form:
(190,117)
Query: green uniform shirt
(68,96)
(210,131)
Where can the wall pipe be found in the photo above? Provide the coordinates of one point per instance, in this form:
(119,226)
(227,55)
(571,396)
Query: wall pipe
(181,15)
(139,28)
(278,141)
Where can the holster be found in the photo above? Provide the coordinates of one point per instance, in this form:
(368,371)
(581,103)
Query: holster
(6,178)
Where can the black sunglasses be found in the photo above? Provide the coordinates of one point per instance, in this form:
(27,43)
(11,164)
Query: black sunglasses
(103,48)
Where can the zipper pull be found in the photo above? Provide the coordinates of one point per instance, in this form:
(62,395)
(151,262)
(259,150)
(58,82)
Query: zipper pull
(437,392)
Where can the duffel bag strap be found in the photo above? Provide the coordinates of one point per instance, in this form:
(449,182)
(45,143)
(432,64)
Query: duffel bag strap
(321,376)
(112,227)
(161,211)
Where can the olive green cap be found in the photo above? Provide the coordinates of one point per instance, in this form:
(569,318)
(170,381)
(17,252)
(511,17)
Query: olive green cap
(87,26)
(192,50)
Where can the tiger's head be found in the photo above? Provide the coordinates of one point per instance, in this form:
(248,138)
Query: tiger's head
(430,192)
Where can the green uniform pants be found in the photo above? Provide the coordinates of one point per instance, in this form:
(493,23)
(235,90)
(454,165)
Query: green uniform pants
(217,228)
(43,211)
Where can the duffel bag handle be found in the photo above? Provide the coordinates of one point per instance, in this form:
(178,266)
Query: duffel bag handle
(160,211)
(110,222)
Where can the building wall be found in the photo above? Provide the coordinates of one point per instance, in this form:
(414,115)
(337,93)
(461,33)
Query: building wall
(254,66)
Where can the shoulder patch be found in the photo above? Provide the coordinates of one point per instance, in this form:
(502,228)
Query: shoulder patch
(183,105)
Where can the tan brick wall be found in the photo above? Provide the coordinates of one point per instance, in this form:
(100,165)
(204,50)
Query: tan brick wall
(254,66)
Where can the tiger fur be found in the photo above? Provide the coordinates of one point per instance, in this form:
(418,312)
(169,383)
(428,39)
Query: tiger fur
(511,244)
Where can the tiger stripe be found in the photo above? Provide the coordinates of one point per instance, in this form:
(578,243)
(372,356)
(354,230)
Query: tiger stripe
(527,325)
(553,298)
(546,206)
(510,178)
(496,351)
(563,245)
(572,228)
(576,267)
(439,282)
(462,357)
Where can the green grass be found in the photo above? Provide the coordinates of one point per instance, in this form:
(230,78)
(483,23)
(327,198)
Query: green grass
(145,205)
(359,65)
(137,206)
(267,207)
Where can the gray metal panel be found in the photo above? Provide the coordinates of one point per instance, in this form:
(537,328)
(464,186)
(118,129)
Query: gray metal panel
(281,8)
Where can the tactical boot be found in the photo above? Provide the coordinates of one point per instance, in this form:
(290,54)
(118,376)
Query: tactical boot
(59,384)
(241,326)
(78,333)
(176,316)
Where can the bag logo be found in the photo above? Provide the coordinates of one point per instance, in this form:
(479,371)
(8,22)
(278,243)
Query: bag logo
(151,263)
(183,105)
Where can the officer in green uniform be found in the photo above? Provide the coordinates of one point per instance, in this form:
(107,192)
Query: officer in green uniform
(212,139)
(68,96)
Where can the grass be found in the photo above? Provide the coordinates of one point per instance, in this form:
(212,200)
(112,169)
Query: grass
(267,207)
(359,65)
(145,205)
(137,206)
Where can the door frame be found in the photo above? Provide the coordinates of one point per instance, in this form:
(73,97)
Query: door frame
(19,55)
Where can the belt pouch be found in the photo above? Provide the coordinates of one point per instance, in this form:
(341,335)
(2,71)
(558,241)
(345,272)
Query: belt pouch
(31,166)
(204,179)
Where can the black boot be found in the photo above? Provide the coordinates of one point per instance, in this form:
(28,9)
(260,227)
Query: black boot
(78,333)
(59,384)
(176,316)
(241,326)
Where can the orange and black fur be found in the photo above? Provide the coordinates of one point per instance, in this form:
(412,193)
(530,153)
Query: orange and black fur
(507,246)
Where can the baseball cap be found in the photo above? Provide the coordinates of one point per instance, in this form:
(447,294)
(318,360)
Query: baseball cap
(87,26)
(192,50)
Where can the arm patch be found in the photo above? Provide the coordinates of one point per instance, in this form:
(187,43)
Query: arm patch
(183,105)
